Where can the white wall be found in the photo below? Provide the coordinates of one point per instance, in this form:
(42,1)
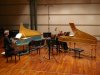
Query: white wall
(53,14)
(58,13)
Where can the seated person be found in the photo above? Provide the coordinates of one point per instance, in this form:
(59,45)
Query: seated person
(63,44)
(53,36)
(66,33)
(8,44)
(60,33)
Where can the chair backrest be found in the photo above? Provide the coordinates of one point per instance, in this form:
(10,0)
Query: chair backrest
(37,42)
(66,33)
(42,42)
(47,34)
(9,52)
(6,52)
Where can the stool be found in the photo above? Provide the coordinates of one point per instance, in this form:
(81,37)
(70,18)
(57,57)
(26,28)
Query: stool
(77,51)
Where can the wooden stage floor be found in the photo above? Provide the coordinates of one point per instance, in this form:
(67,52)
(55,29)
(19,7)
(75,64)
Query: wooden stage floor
(60,64)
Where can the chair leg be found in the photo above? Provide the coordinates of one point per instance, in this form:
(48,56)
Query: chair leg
(79,54)
(39,51)
(19,57)
(29,50)
(7,59)
(11,57)
(15,58)
(75,53)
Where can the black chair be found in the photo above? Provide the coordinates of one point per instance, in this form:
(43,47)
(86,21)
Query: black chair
(63,45)
(33,46)
(47,34)
(42,43)
(11,53)
(36,45)
(55,45)
(66,33)
(77,52)
(52,44)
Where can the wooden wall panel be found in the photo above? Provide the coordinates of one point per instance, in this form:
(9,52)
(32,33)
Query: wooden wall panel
(66,1)
(42,19)
(88,29)
(46,1)
(42,9)
(14,10)
(93,30)
(84,13)
(11,27)
(78,19)
(60,28)
(95,1)
(13,1)
(72,1)
(13,20)
(54,13)
(75,9)
(58,19)
(42,29)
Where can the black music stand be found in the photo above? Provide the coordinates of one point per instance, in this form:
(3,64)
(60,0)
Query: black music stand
(47,36)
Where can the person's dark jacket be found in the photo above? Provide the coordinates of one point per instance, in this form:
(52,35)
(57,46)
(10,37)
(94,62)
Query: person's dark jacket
(7,46)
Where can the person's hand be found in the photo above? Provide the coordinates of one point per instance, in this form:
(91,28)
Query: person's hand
(14,41)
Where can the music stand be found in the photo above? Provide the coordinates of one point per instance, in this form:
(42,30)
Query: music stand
(47,34)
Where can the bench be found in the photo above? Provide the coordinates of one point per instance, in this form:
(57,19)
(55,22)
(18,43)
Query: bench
(78,51)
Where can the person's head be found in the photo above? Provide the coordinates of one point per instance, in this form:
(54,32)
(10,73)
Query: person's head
(60,31)
(53,36)
(65,33)
(6,32)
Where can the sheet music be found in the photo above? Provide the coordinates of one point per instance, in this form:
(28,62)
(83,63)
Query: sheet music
(18,35)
